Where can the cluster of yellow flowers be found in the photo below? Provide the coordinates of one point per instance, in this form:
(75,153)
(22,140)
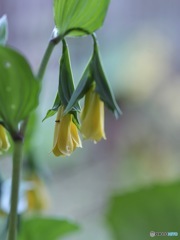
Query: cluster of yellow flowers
(94,87)
(66,137)
(96,91)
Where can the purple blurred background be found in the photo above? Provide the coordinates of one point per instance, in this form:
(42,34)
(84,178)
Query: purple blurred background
(140,49)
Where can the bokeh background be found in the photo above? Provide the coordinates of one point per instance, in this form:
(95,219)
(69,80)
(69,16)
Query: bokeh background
(98,185)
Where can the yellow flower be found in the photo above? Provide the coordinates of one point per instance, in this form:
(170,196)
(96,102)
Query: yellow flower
(66,137)
(37,196)
(4,142)
(92,116)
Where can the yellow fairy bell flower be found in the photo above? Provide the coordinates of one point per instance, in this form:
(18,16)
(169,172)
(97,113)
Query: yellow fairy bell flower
(4,142)
(37,195)
(92,116)
(66,137)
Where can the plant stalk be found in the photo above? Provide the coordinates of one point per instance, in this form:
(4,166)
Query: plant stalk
(16,169)
(18,148)
(52,43)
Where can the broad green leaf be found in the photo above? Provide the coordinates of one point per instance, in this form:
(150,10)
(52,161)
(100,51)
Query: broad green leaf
(102,85)
(133,215)
(37,228)
(19,90)
(85,14)
(54,109)
(3,30)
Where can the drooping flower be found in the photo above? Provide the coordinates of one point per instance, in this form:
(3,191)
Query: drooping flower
(66,137)
(37,195)
(92,117)
(98,93)
(4,142)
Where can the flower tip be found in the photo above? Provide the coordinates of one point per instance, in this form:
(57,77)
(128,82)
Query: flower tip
(117,113)
(80,145)
(98,138)
(56,152)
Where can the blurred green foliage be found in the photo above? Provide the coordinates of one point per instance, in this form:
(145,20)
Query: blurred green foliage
(36,228)
(135,214)
(19,89)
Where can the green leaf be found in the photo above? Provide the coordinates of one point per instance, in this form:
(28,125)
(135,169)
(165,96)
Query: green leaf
(66,85)
(82,88)
(94,72)
(85,14)
(3,30)
(19,90)
(102,85)
(54,109)
(36,228)
(133,215)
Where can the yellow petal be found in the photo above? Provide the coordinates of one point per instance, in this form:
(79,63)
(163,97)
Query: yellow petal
(75,136)
(93,117)
(4,142)
(66,137)
(57,125)
(65,143)
(37,197)
(55,149)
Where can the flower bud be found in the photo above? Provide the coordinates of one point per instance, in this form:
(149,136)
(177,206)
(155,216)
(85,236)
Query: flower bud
(66,137)
(92,116)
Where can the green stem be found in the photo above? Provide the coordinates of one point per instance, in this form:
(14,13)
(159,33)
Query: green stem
(18,148)
(16,169)
(45,60)
(52,43)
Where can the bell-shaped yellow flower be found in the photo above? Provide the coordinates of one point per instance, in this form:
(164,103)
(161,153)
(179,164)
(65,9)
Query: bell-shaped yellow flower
(37,196)
(92,116)
(66,137)
(4,142)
